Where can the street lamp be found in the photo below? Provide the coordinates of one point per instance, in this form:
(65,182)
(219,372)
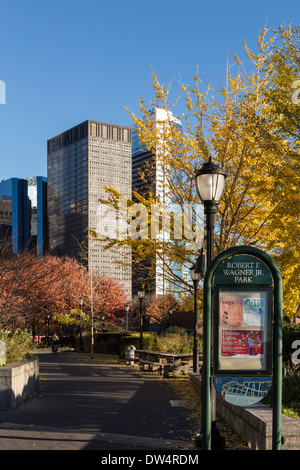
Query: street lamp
(127,307)
(48,329)
(141,295)
(171,316)
(195,278)
(210,182)
(80,337)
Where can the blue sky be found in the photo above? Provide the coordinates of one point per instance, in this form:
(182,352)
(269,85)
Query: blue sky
(66,61)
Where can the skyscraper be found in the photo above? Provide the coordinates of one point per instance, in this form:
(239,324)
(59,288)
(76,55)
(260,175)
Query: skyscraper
(146,161)
(23,213)
(80,161)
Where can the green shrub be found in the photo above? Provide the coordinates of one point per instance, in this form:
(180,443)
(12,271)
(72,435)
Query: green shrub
(117,343)
(290,396)
(179,342)
(18,345)
(174,343)
(177,330)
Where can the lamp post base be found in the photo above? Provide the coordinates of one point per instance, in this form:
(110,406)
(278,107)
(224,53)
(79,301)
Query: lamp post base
(217,441)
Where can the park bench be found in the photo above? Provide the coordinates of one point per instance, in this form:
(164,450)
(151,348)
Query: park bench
(151,366)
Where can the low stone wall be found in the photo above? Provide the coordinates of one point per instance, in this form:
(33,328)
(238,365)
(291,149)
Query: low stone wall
(254,423)
(17,382)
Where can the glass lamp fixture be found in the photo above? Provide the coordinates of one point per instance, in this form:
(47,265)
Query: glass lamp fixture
(195,276)
(141,294)
(210,181)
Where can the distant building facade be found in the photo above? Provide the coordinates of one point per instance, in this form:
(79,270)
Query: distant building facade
(145,161)
(23,213)
(80,161)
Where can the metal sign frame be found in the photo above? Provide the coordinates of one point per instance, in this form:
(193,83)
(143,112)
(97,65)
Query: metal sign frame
(276,340)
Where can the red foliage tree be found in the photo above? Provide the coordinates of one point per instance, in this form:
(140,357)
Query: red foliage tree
(104,296)
(32,287)
(159,306)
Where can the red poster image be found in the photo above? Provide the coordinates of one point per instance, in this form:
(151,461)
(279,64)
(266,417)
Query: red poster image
(231,311)
(242,343)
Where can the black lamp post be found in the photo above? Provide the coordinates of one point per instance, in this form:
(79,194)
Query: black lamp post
(48,328)
(200,266)
(80,331)
(171,316)
(195,278)
(210,182)
(127,307)
(141,295)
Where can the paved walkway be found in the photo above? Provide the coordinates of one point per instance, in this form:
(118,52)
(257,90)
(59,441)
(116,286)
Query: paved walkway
(87,405)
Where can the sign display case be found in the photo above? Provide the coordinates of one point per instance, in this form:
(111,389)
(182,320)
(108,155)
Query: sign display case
(242,329)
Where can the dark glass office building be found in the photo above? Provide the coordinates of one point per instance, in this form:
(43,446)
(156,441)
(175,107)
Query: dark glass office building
(23,213)
(80,161)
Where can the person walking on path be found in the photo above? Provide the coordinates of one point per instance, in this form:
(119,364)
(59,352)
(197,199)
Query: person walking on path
(55,342)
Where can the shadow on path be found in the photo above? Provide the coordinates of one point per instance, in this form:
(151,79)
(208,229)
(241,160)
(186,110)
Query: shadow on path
(82,404)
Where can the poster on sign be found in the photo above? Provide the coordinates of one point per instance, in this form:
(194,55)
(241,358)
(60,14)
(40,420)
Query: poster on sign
(231,311)
(242,343)
(253,311)
(243,328)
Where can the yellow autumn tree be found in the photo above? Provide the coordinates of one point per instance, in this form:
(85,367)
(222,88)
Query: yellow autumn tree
(277,131)
(250,127)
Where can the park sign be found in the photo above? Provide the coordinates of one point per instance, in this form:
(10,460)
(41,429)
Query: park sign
(242,333)
(241,270)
